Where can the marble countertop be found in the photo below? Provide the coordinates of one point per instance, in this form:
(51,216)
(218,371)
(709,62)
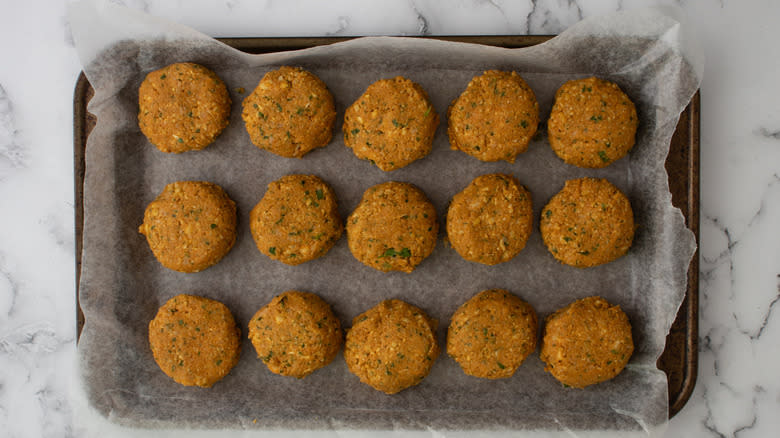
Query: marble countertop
(737,391)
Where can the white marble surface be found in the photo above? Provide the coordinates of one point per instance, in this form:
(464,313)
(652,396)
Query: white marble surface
(738,386)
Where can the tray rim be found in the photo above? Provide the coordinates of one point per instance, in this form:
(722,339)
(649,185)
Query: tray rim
(689,307)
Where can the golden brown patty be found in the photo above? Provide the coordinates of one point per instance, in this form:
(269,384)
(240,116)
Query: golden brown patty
(592,123)
(297,220)
(490,220)
(391,346)
(588,223)
(394,227)
(183,107)
(295,334)
(492,333)
(290,113)
(195,340)
(494,118)
(391,124)
(190,226)
(587,342)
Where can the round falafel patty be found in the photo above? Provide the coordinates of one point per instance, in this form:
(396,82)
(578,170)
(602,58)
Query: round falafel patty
(290,113)
(297,220)
(490,220)
(588,223)
(391,346)
(592,123)
(183,107)
(494,118)
(491,334)
(195,340)
(392,124)
(587,342)
(394,227)
(190,226)
(295,334)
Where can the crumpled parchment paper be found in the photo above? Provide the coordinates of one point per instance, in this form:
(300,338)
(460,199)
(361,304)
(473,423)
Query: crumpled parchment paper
(122,285)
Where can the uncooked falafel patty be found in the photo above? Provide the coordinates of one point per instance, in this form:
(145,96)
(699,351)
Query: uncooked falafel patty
(290,113)
(394,227)
(391,346)
(190,226)
(195,340)
(587,342)
(183,107)
(490,220)
(494,118)
(392,124)
(592,123)
(295,334)
(492,334)
(297,220)
(588,223)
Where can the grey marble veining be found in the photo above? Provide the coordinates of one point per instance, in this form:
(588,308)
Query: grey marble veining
(773,134)
(553,17)
(10,291)
(11,152)
(738,390)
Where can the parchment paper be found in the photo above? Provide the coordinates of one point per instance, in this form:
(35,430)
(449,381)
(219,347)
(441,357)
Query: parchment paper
(122,285)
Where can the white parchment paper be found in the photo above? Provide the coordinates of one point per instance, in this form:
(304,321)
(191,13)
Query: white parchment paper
(122,285)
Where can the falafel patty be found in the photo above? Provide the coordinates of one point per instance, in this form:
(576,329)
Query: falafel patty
(490,220)
(592,123)
(394,227)
(391,346)
(492,333)
(297,220)
(587,342)
(295,334)
(588,223)
(290,113)
(190,226)
(183,107)
(494,118)
(195,340)
(392,124)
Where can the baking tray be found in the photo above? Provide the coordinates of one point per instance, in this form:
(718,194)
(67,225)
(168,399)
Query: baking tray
(679,359)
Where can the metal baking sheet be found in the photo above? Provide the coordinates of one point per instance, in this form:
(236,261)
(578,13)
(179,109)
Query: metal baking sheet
(679,359)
